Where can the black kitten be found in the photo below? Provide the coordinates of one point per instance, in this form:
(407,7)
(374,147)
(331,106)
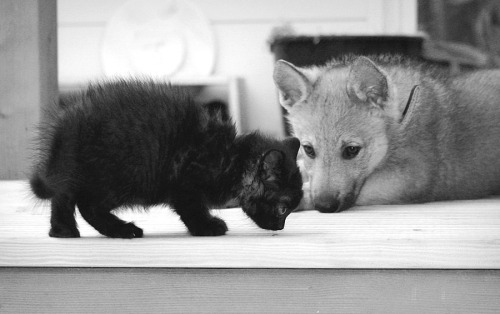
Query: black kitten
(131,143)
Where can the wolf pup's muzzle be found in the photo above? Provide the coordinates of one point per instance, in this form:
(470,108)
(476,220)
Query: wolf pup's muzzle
(331,204)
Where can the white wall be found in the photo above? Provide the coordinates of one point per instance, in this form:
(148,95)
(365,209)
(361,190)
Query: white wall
(242,28)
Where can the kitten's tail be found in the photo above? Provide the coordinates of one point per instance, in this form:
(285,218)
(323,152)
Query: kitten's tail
(39,188)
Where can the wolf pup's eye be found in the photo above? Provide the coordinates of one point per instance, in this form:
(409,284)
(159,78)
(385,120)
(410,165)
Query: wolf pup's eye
(350,152)
(309,150)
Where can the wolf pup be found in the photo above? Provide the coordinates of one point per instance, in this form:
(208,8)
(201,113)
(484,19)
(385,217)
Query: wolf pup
(385,130)
(127,143)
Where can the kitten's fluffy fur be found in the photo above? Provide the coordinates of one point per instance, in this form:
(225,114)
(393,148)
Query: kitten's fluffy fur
(132,143)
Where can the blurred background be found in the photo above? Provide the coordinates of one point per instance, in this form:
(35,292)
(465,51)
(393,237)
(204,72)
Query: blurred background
(222,50)
(242,33)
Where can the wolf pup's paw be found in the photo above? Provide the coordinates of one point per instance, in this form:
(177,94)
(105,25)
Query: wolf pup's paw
(63,232)
(213,227)
(125,231)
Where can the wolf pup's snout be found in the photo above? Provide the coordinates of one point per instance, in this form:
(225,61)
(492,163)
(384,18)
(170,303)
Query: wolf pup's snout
(327,203)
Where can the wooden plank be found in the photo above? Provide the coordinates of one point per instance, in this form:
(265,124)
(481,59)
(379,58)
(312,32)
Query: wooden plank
(28,77)
(73,290)
(446,235)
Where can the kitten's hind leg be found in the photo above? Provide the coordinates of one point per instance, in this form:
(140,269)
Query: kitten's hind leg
(62,219)
(108,224)
(197,218)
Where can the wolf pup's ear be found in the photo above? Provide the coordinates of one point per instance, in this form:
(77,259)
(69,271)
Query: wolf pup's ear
(293,144)
(293,86)
(367,84)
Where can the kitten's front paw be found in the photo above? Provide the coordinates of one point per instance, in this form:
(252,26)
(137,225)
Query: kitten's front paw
(125,231)
(63,232)
(213,227)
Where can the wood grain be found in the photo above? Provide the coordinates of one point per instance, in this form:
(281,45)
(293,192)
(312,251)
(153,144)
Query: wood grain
(153,290)
(446,235)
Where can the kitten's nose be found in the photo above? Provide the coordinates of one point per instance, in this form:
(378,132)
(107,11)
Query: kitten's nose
(280,225)
(327,204)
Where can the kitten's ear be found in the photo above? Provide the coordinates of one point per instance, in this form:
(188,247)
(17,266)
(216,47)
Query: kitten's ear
(293,144)
(271,164)
(367,84)
(217,110)
(293,85)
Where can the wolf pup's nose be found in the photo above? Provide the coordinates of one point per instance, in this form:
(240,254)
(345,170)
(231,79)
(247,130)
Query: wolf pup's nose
(327,204)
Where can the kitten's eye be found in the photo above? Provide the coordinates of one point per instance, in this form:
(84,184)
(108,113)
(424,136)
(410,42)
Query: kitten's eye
(350,152)
(309,150)
(282,210)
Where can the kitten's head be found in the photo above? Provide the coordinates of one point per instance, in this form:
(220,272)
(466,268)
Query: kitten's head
(272,187)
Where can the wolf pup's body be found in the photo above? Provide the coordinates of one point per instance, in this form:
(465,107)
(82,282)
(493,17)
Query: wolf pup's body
(132,143)
(391,131)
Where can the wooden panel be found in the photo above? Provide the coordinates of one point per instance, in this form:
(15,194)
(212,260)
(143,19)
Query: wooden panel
(28,77)
(224,11)
(39,290)
(446,235)
(78,12)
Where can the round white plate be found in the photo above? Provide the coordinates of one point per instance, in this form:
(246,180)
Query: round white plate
(161,39)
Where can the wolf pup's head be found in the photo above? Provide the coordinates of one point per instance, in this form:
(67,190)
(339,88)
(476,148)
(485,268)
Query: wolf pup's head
(341,113)
(272,186)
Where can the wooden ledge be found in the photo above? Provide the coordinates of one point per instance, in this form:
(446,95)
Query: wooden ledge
(446,235)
